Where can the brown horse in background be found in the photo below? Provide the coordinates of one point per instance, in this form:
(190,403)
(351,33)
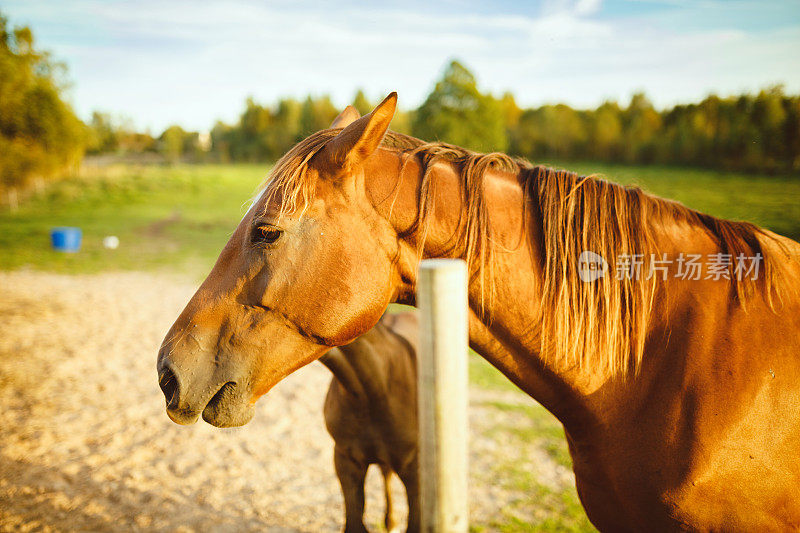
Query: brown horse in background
(371,413)
(680,398)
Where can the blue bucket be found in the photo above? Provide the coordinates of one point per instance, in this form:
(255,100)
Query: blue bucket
(66,239)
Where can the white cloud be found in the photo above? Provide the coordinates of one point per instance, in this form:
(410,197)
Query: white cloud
(191,62)
(587,7)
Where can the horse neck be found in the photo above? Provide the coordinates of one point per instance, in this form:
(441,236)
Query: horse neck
(502,324)
(505,325)
(344,373)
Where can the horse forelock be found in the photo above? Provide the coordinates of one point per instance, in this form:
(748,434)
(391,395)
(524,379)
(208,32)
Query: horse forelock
(288,183)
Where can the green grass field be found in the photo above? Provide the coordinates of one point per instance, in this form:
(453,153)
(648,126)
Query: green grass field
(174,218)
(177,218)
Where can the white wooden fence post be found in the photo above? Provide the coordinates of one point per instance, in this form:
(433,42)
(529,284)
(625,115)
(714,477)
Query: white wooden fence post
(443,395)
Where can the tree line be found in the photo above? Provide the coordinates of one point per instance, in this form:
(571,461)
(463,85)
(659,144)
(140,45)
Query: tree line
(750,132)
(40,135)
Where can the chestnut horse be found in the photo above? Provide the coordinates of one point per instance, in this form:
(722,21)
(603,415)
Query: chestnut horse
(679,396)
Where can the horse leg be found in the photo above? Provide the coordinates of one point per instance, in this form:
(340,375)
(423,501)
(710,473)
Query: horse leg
(351,475)
(390,521)
(410,478)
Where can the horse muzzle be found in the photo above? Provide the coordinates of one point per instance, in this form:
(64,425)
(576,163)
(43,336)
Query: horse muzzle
(221,402)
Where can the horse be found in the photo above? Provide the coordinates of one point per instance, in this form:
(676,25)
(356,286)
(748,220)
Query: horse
(371,413)
(678,394)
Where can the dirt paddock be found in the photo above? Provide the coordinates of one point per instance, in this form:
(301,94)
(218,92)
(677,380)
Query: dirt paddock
(86,444)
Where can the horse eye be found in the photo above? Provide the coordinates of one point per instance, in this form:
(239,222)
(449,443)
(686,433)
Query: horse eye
(266,234)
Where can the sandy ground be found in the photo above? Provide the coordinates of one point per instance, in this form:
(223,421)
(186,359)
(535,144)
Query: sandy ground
(86,445)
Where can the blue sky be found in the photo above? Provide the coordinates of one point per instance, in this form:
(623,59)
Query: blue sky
(195,61)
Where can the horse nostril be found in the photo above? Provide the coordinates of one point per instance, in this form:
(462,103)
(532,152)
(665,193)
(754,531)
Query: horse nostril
(169,385)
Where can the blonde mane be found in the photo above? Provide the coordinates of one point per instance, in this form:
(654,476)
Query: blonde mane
(602,324)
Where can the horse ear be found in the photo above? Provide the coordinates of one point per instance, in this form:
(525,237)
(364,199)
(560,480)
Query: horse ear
(360,138)
(349,115)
